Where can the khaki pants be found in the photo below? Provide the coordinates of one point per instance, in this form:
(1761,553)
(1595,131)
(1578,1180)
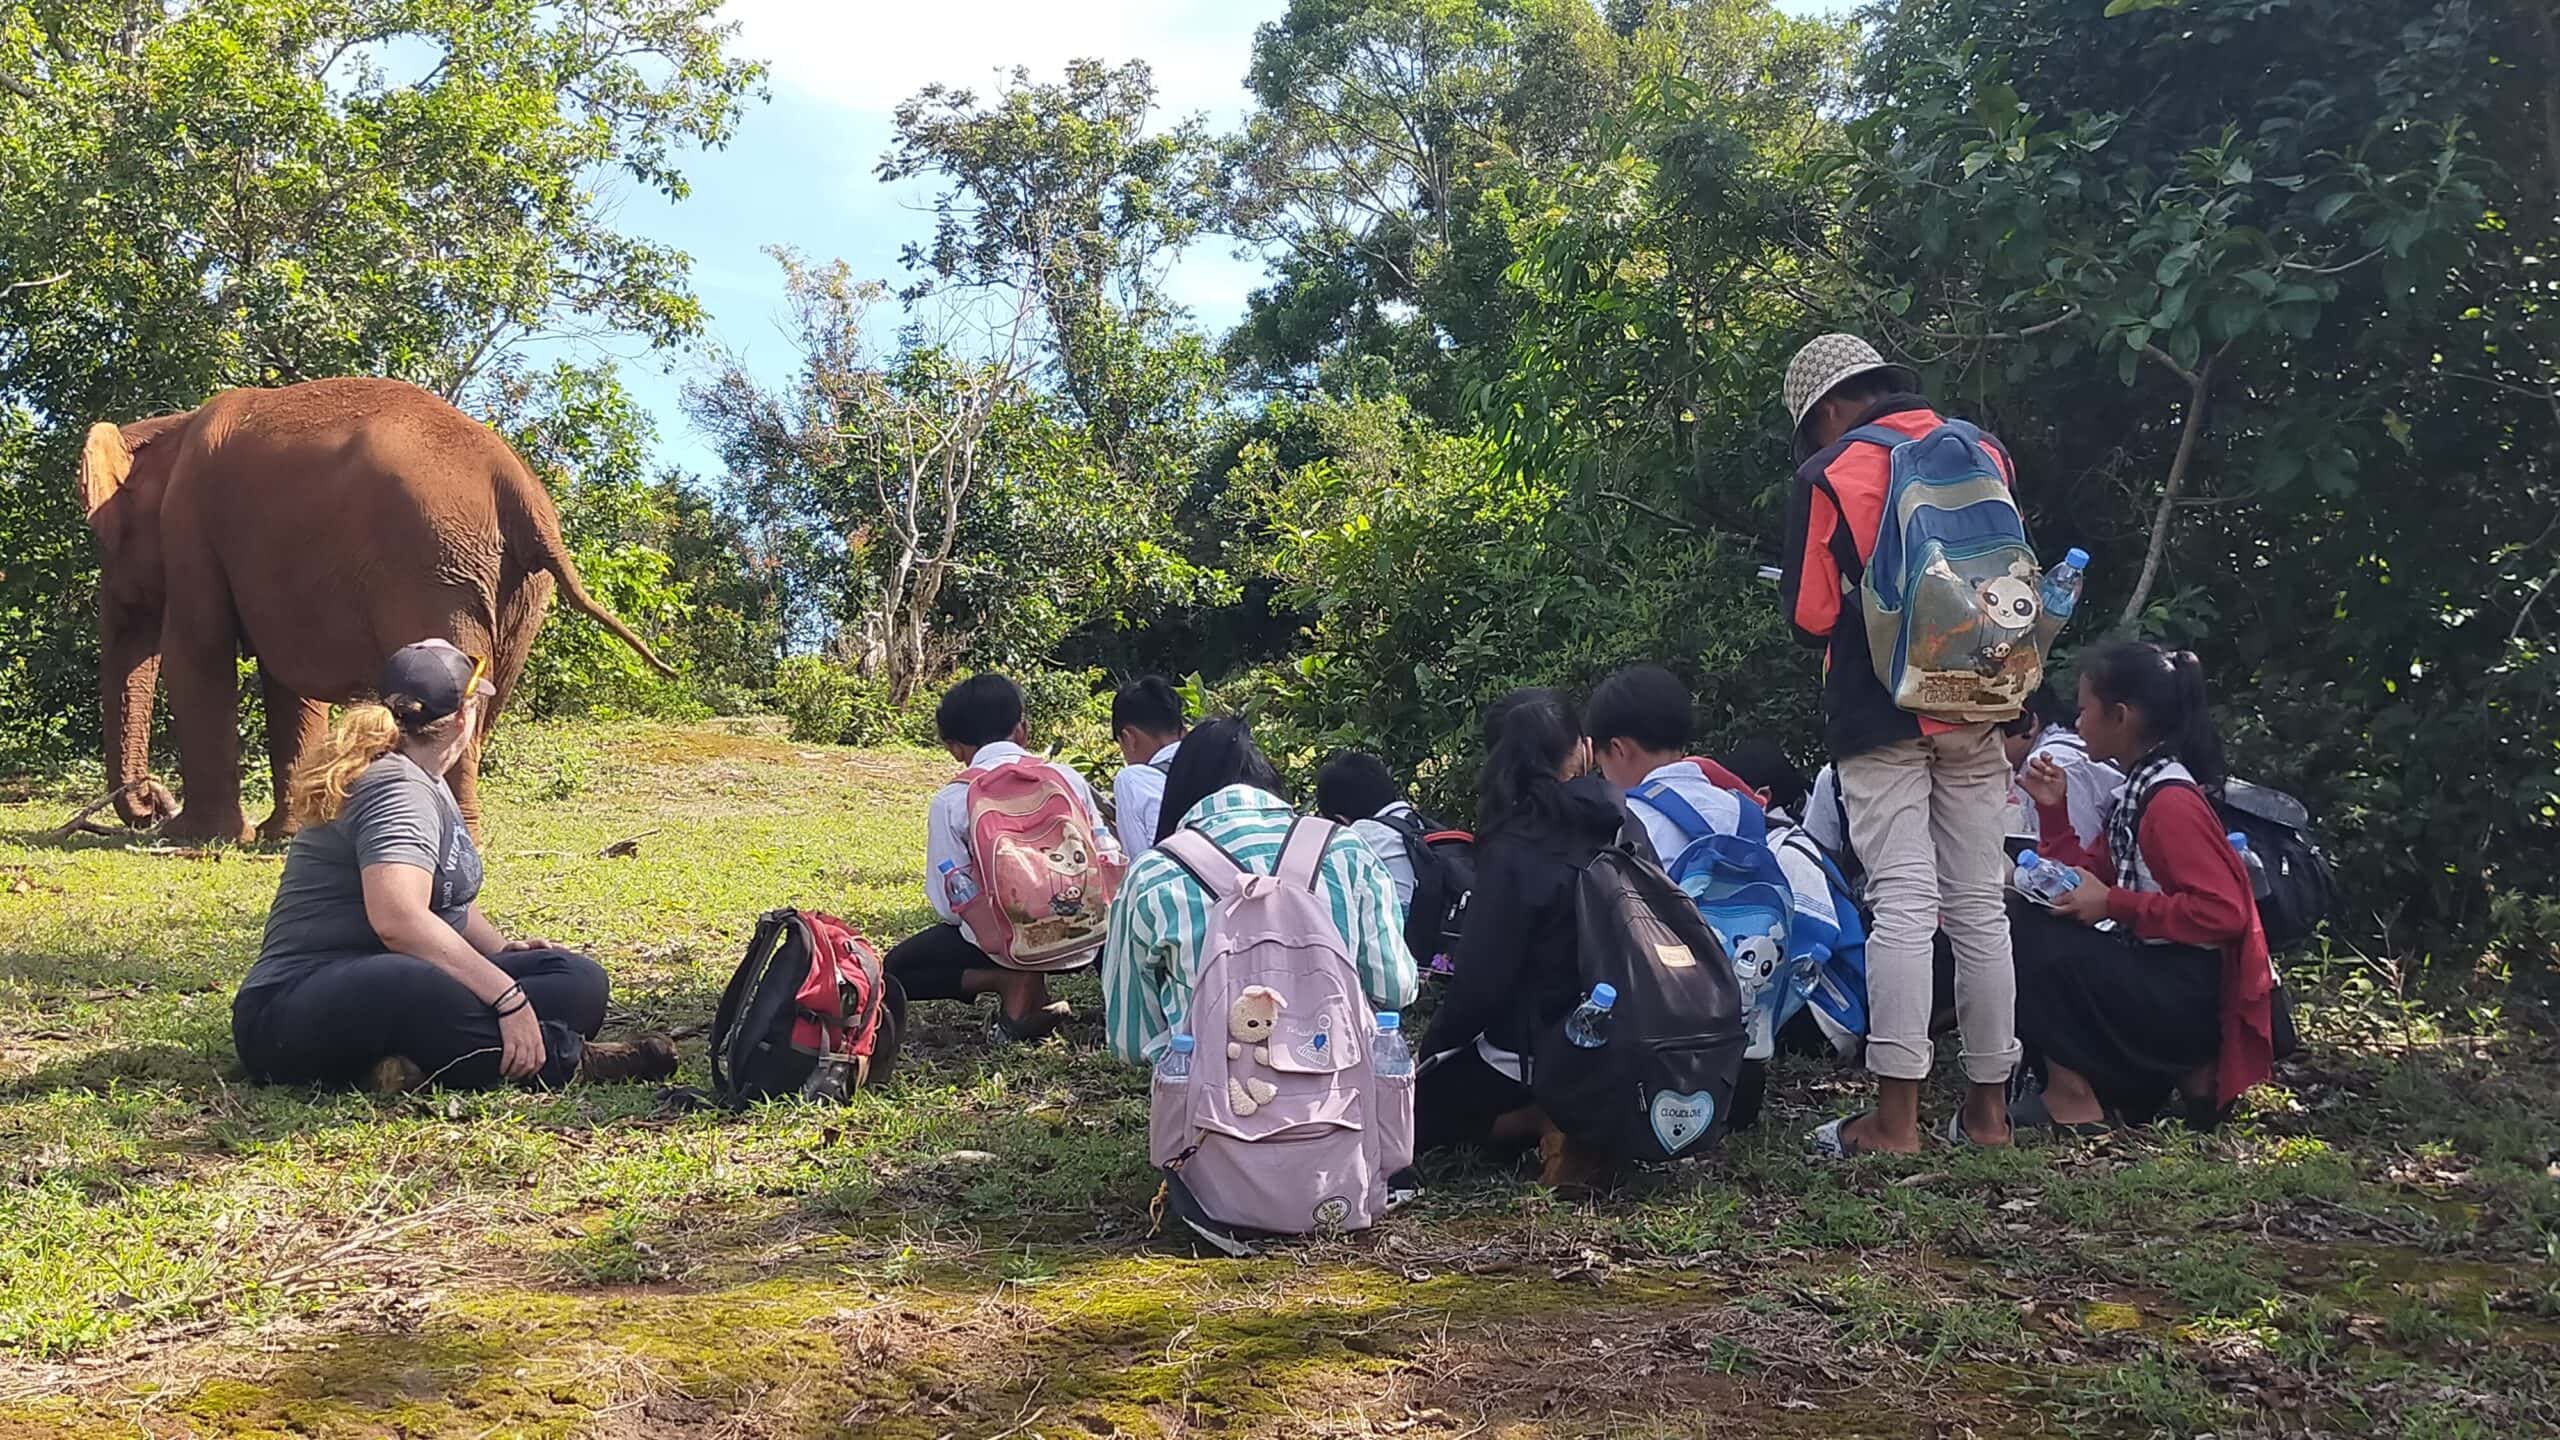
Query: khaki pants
(1926,817)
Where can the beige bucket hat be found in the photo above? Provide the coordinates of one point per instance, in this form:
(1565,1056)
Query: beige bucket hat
(1825,361)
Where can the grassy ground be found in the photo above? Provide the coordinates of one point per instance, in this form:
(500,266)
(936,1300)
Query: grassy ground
(2373,1251)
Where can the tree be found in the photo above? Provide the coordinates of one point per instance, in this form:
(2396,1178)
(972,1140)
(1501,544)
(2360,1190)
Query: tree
(889,450)
(1061,191)
(2248,291)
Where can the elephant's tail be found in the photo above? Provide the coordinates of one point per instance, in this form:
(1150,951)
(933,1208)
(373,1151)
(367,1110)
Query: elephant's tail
(556,560)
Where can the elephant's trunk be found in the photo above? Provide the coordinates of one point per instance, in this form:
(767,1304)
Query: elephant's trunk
(129,680)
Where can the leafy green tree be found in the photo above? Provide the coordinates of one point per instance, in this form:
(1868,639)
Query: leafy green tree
(2248,290)
(1060,191)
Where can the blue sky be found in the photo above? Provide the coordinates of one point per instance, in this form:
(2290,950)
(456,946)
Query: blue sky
(799,172)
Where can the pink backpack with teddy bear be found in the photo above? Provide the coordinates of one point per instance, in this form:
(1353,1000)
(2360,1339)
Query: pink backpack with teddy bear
(1285,1126)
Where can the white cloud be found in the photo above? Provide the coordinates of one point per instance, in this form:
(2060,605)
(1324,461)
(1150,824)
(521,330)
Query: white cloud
(870,54)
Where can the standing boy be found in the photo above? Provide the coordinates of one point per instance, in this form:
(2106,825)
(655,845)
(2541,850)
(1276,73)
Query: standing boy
(1925,798)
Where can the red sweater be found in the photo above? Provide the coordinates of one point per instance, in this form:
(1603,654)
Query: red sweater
(2203,900)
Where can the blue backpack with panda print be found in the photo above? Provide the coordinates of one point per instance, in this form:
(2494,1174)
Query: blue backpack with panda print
(1737,884)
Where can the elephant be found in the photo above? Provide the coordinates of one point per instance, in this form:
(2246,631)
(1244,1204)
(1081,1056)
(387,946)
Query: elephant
(315,528)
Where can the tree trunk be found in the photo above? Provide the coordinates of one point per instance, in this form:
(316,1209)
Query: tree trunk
(2199,387)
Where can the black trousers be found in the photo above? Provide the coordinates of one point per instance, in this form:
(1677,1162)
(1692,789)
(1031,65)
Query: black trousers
(929,964)
(331,1024)
(1456,1101)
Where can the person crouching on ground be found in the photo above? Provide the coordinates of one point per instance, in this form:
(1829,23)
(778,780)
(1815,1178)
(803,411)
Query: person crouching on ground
(379,966)
(2176,993)
(1519,965)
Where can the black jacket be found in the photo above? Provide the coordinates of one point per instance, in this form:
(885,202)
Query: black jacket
(1516,963)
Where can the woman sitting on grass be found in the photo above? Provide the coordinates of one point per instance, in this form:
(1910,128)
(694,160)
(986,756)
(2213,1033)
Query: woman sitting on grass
(2175,992)
(379,968)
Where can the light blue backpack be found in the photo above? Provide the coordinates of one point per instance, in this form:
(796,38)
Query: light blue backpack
(1738,886)
(1951,590)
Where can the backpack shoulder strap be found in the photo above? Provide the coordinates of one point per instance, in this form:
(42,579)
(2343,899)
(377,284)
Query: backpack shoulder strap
(1215,869)
(1302,854)
(1683,816)
(733,999)
(1884,435)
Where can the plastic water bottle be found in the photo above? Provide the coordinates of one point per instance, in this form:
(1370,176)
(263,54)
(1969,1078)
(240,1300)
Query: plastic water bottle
(2061,593)
(2041,880)
(958,885)
(1588,1025)
(1389,1057)
(1173,1067)
(2249,861)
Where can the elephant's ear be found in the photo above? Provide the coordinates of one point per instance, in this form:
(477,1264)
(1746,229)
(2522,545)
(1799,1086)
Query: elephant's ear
(104,464)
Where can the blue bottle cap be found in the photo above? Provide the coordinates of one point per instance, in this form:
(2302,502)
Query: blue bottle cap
(1184,1044)
(1604,994)
(1389,1020)
(2076,558)
(2238,841)
(2026,859)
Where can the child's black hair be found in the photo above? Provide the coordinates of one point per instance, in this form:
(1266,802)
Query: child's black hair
(1529,734)
(1763,766)
(2045,708)
(2168,688)
(1354,785)
(1150,704)
(1644,703)
(980,710)
(1218,754)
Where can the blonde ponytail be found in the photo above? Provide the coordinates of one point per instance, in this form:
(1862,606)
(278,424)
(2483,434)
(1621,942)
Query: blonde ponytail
(318,786)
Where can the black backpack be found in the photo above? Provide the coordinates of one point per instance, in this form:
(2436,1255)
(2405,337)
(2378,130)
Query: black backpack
(1662,1086)
(1444,879)
(2302,891)
(783,1029)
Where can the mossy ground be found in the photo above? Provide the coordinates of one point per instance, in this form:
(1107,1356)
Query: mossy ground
(2372,1250)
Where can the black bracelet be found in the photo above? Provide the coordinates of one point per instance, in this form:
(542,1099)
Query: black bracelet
(512,992)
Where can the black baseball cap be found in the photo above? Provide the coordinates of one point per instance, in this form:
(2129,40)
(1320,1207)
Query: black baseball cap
(431,677)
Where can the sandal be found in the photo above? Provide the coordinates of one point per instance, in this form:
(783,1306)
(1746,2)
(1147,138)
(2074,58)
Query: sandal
(1831,1139)
(1955,1134)
(1005,1030)
(2028,1112)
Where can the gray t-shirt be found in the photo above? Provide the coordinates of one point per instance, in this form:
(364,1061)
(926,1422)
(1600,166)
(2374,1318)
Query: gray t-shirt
(396,814)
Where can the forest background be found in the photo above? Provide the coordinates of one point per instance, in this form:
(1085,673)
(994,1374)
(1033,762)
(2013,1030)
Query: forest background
(2260,293)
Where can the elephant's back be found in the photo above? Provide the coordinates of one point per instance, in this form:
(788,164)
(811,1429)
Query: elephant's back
(385,425)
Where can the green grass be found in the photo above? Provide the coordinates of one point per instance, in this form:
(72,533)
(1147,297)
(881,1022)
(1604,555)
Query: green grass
(2374,1250)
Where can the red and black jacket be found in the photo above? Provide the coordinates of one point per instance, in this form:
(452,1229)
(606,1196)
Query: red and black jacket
(1833,511)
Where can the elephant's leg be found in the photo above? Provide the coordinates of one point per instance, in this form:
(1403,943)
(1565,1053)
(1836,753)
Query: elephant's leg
(294,725)
(200,661)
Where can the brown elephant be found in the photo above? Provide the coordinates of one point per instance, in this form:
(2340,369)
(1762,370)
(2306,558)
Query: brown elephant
(316,528)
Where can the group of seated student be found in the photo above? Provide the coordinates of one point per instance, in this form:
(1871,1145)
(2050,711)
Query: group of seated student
(2149,980)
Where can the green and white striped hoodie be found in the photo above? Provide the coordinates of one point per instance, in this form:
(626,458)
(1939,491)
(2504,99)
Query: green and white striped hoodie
(1162,914)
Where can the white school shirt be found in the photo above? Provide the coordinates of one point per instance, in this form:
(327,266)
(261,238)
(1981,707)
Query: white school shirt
(1824,817)
(2091,788)
(946,826)
(1137,799)
(1387,844)
(1719,807)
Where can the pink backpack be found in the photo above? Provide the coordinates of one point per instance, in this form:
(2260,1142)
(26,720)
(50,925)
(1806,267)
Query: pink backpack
(1045,871)
(1284,1127)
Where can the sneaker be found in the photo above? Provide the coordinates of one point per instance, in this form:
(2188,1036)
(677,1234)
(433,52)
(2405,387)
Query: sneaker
(651,1057)
(394,1075)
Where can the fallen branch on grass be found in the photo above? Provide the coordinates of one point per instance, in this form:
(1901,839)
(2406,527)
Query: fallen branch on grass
(81,824)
